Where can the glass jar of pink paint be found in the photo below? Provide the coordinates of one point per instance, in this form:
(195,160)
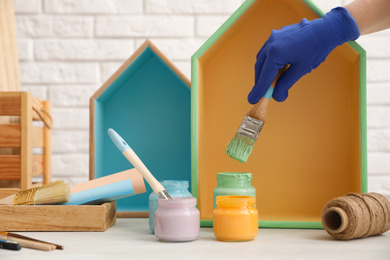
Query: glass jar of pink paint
(175,188)
(177,220)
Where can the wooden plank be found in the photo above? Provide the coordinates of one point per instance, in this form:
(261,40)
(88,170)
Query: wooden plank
(9,135)
(10,105)
(26,146)
(135,214)
(8,101)
(92,139)
(57,217)
(5,192)
(47,147)
(37,136)
(10,167)
(37,165)
(9,63)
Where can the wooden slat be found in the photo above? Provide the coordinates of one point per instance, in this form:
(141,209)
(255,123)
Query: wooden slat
(47,147)
(9,63)
(36,184)
(10,168)
(9,135)
(10,105)
(37,136)
(37,165)
(5,192)
(57,217)
(26,146)
(135,214)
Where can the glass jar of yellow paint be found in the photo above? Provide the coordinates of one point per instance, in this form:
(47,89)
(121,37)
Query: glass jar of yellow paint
(235,218)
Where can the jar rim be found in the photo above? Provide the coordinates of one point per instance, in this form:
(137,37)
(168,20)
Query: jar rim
(174,181)
(174,184)
(234,178)
(177,201)
(235,201)
(234,174)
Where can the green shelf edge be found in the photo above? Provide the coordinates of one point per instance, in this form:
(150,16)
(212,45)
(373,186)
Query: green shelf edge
(277,224)
(194,115)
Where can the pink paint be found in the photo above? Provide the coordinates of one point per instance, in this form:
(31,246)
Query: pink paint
(177,220)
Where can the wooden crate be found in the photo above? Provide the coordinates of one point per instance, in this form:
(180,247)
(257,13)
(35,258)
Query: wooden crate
(58,217)
(22,165)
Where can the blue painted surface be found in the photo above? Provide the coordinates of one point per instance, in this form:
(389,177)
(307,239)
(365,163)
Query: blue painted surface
(118,140)
(110,192)
(269,93)
(149,106)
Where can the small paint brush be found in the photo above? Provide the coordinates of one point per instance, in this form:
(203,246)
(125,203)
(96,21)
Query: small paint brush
(241,146)
(137,163)
(14,235)
(52,193)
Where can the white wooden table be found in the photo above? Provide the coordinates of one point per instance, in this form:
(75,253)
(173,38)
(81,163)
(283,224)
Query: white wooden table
(131,239)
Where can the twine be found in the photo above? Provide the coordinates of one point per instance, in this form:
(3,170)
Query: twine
(357,216)
(41,113)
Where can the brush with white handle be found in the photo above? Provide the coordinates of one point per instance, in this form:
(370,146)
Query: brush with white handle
(137,163)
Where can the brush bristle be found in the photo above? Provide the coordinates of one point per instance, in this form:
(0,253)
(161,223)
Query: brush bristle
(240,147)
(53,193)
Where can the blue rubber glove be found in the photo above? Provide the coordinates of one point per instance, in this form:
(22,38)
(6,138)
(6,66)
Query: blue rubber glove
(304,46)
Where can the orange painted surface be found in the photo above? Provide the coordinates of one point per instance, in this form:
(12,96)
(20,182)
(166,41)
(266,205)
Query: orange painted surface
(235,218)
(309,149)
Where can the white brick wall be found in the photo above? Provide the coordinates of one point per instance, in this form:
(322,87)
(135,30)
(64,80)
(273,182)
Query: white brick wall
(68,48)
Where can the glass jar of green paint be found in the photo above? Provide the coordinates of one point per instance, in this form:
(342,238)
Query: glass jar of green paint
(234,183)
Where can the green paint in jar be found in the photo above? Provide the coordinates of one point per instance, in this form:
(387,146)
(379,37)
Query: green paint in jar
(234,183)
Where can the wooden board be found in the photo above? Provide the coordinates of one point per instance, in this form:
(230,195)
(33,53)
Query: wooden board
(58,217)
(9,66)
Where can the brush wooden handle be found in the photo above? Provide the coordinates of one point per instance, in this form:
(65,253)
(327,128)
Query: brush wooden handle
(137,163)
(259,110)
(29,243)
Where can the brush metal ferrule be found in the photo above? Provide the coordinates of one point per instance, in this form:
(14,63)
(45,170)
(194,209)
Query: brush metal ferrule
(250,127)
(164,195)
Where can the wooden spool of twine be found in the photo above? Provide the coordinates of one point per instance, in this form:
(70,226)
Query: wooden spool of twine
(357,216)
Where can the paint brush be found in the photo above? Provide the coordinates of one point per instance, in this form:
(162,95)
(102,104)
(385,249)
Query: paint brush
(29,243)
(11,245)
(137,163)
(14,235)
(52,193)
(241,146)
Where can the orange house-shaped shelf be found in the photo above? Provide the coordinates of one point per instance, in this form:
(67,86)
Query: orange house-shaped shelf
(313,146)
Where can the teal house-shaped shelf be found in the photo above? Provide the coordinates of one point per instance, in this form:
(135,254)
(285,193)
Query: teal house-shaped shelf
(147,101)
(313,146)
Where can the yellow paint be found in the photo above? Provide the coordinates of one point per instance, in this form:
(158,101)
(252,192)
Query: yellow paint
(235,218)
